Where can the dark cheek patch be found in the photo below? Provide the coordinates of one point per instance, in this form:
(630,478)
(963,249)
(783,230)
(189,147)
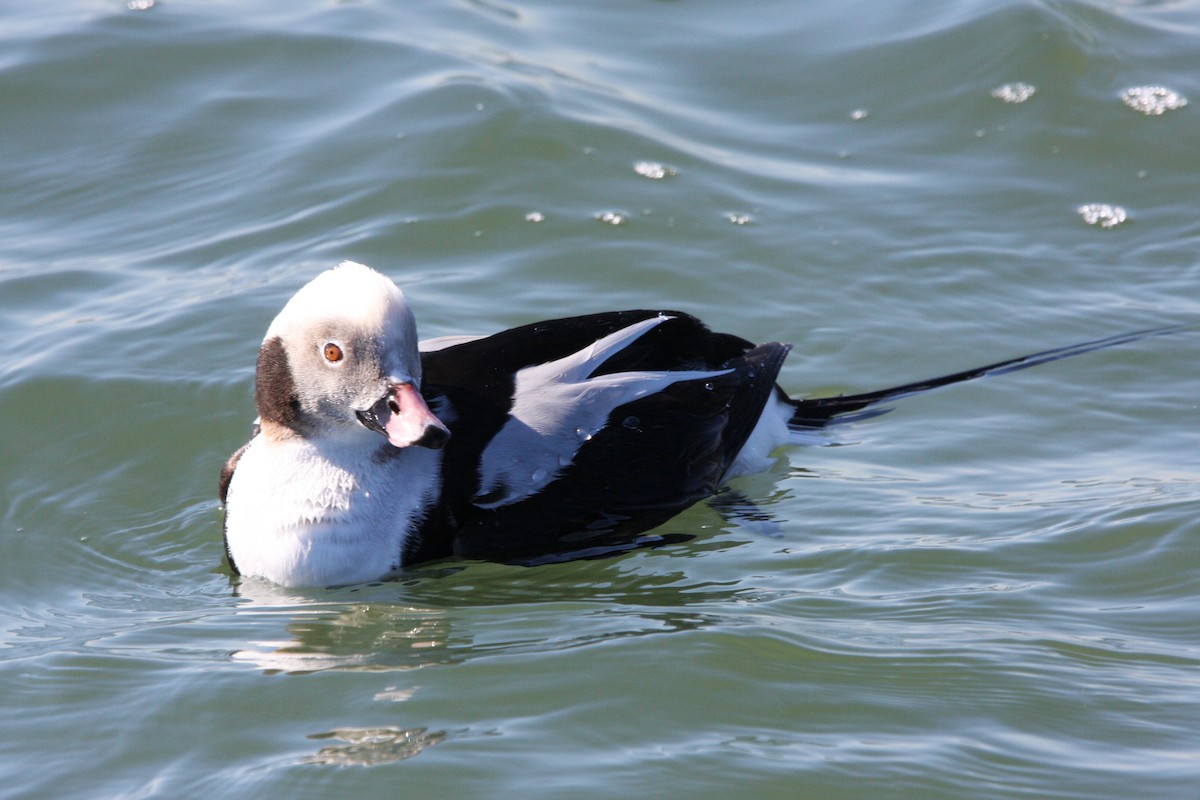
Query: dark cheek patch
(274,388)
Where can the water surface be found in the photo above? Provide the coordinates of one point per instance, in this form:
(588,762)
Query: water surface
(989,592)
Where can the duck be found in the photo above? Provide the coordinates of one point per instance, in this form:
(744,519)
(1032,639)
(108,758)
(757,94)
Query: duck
(374,451)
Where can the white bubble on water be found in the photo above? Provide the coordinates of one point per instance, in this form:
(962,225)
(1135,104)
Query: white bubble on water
(611,217)
(1152,101)
(1017,92)
(535,216)
(1102,214)
(653,170)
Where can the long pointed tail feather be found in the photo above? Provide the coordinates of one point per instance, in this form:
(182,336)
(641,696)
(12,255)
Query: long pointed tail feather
(819,412)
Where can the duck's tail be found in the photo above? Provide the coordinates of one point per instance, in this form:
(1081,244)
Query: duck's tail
(819,412)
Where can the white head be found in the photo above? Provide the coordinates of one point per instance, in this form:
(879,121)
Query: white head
(343,354)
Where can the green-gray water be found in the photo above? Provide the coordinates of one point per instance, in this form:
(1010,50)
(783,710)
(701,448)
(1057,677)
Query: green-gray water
(989,592)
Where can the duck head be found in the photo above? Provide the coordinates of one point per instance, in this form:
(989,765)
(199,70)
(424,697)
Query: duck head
(342,356)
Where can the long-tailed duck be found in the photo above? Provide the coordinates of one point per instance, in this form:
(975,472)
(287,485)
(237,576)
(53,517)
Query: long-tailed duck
(373,452)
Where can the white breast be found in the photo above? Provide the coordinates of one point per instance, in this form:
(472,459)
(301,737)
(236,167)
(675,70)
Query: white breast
(319,513)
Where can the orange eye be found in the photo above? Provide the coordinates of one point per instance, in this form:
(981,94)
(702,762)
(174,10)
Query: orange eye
(333,353)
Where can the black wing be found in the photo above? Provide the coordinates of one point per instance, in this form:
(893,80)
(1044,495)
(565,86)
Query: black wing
(656,455)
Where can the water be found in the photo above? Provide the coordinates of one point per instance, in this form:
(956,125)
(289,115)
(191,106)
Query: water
(989,592)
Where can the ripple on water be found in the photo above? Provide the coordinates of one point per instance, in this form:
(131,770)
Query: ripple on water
(371,747)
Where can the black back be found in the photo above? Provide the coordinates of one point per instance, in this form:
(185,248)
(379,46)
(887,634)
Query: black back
(656,455)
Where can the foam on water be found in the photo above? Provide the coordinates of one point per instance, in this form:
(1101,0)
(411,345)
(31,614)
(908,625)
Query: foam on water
(1153,101)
